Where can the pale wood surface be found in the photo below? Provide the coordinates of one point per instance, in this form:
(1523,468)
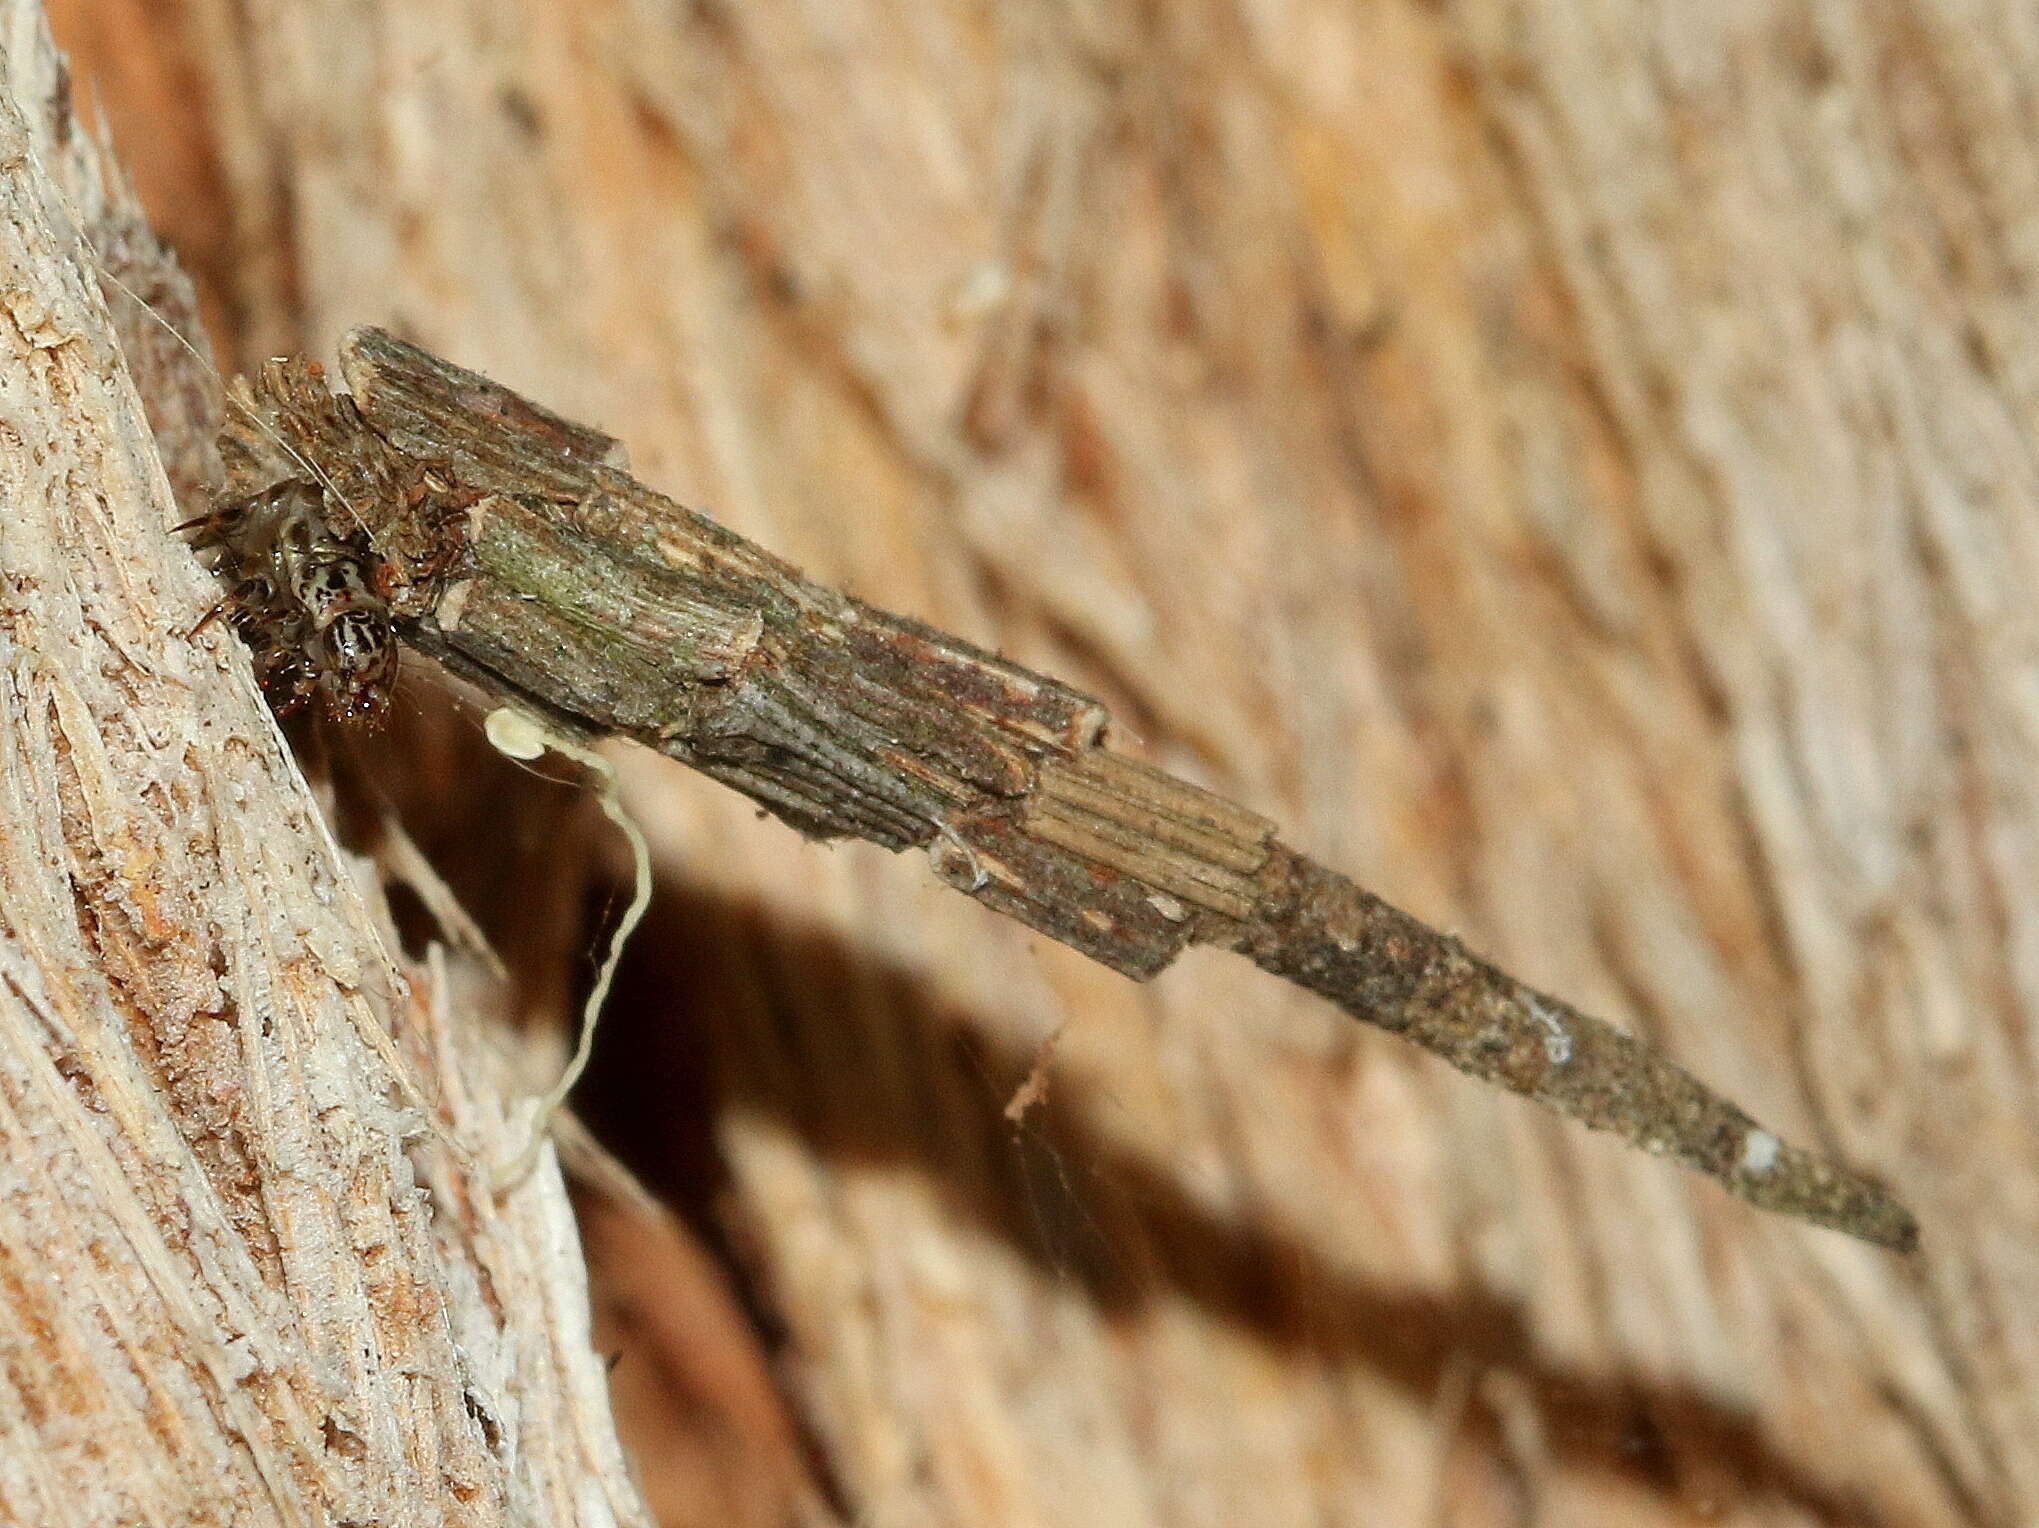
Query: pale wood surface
(254,1268)
(1567,461)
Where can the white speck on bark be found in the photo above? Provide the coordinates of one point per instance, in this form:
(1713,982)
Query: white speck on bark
(1557,1040)
(1759,1152)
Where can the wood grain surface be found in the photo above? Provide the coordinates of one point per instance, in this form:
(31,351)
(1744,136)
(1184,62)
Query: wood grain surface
(1567,461)
(255,1268)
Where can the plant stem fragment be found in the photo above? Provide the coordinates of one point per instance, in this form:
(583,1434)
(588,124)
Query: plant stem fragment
(511,545)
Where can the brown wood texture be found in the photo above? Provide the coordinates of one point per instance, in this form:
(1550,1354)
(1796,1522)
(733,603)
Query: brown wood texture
(255,1270)
(1566,461)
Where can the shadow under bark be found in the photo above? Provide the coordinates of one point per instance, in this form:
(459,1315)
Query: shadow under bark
(716,1006)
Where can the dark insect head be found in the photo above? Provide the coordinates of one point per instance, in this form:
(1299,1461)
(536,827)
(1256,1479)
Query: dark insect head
(307,595)
(358,669)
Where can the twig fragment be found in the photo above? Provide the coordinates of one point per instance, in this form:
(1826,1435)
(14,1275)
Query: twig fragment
(509,544)
(1318,930)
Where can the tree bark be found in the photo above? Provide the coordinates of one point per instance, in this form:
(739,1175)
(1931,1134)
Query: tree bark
(255,1268)
(1560,459)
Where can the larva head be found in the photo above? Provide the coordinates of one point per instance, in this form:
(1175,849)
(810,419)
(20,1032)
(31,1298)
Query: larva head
(357,664)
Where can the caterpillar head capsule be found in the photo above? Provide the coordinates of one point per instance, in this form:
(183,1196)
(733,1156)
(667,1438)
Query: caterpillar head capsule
(302,593)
